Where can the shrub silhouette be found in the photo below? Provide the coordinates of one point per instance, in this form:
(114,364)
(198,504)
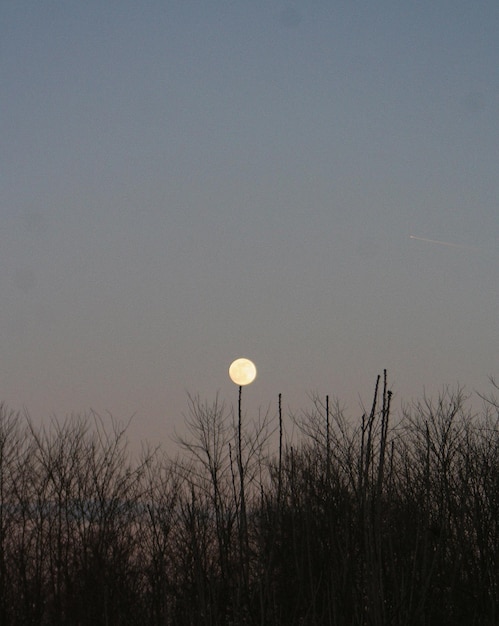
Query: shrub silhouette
(367,523)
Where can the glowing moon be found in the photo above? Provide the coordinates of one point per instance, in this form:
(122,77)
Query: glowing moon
(242,371)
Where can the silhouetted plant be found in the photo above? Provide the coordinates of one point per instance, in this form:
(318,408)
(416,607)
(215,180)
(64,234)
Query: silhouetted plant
(379,521)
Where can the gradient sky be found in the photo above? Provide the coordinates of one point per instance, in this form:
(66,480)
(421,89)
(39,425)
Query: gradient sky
(188,181)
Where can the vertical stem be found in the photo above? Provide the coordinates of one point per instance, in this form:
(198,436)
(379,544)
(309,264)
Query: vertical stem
(243,538)
(240,458)
(279,475)
(328,445)
(239,420)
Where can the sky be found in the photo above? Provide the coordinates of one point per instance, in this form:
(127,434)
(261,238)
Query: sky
(185,182)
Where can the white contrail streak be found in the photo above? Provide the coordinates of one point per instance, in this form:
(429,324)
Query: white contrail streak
(442,243)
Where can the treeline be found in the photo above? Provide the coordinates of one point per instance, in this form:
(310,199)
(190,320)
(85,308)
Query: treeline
(382,522)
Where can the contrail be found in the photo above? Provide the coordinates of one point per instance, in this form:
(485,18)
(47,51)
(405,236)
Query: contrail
(442,243)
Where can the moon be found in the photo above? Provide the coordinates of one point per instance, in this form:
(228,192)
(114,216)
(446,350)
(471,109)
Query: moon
(242,371)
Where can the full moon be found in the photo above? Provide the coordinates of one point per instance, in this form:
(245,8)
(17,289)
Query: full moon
(242,371)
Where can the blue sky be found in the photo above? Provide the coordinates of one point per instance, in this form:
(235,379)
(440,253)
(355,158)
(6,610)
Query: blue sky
(186,182)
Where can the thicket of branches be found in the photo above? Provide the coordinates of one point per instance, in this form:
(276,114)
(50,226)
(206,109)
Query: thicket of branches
(370,523)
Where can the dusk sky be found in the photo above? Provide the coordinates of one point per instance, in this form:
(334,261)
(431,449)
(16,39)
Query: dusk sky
(185,182)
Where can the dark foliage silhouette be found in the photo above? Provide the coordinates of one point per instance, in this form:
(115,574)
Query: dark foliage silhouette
(378,522)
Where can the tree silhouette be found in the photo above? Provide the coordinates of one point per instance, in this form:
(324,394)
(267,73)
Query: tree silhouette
(380,520)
